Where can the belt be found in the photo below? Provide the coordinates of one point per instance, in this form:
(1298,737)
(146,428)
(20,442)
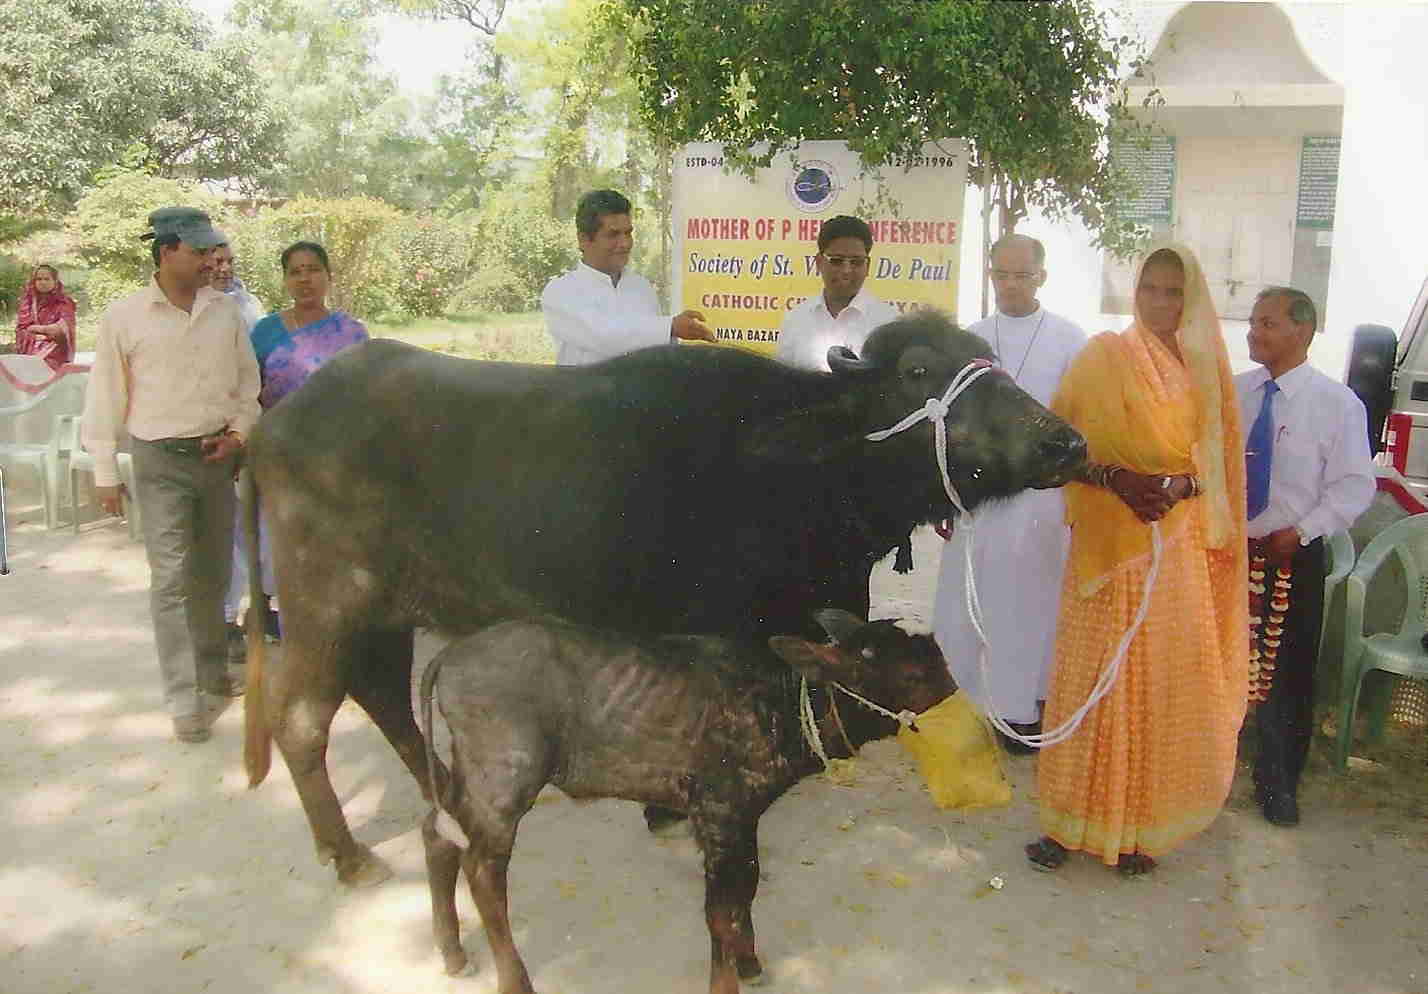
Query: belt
(182,446)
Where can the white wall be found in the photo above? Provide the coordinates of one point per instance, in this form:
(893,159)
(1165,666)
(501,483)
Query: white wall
(1381,223)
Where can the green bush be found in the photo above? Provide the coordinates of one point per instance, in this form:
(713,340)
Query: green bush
(108,220)
(356,232)
(520,248)
(492,287)
(101,288)
(433,256)
(14,274)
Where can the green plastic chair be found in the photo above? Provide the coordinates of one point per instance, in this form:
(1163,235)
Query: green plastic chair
(1401,652)
(1339,551)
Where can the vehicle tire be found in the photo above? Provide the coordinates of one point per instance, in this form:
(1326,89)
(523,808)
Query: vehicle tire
(1370,375)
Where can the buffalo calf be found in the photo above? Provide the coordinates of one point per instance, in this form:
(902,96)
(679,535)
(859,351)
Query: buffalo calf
(702,725)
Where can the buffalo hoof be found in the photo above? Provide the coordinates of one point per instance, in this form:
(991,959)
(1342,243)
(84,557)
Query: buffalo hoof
(366,869)
(457,963)
(665,823)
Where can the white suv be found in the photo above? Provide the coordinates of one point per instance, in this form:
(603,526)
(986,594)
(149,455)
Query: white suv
(1390,375)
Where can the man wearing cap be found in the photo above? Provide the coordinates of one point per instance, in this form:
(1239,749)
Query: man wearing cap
(174,373)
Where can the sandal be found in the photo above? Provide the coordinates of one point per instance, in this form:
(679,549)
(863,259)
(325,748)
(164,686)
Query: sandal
(1046,854)
(1134,864)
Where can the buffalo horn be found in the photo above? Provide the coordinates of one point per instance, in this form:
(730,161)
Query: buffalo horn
(842,359)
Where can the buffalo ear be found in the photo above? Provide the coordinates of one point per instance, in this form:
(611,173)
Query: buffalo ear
(812,435)
(812,660)
(839,624)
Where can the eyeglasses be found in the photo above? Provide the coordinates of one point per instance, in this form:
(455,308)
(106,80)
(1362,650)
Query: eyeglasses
(851,261)
(1002,274)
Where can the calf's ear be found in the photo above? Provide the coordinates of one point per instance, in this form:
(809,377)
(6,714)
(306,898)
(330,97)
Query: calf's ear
(839,624)
(809,659)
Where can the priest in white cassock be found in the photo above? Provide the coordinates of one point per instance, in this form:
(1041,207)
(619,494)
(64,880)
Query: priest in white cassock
(602,309)
(1020,545)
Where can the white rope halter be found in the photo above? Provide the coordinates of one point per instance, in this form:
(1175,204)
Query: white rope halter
(936,410)
(809,722)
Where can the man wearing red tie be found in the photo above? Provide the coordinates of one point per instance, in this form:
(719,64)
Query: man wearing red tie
(1308,473)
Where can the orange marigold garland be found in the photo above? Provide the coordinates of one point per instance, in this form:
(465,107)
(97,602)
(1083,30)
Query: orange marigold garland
(1268,604)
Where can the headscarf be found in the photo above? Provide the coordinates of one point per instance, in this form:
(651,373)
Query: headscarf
(1128,395)
(45,308)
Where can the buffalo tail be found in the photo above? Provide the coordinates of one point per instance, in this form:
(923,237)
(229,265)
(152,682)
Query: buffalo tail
(257,736)
(445,825)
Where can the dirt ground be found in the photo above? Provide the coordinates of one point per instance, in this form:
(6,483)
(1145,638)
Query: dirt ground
(137,864)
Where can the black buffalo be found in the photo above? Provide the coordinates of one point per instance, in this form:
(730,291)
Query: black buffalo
(673,489)
(705,726)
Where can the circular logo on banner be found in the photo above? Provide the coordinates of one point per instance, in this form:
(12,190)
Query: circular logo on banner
(813,185)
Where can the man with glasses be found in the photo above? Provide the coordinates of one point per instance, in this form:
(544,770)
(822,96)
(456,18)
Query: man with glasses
(844,313)
(1308,473)
(1020,551)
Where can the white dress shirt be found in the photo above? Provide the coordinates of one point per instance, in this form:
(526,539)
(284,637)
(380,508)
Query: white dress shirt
(592,318)
(1321,475)
(809,331)
(162,372)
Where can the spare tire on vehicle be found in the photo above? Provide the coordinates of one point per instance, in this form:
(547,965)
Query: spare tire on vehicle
(1370,375)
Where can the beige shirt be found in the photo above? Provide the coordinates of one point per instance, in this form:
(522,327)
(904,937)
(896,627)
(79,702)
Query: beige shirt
(161,372)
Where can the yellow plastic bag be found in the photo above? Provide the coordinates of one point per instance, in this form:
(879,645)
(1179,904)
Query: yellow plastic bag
(957,755)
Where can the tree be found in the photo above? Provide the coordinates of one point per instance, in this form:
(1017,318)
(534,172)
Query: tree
(572,69)
(472,124)
(350,129)
(483,15)
(83,80)
(1034,88)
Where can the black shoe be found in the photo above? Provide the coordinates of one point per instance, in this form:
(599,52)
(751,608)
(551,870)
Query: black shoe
(1012,746)
(272,628)
(237,647)
(1279,806)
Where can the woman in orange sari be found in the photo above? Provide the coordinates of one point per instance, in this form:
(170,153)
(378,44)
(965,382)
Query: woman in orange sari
(1151,764)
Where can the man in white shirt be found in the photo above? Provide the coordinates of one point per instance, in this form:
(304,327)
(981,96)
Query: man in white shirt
(224,279)
(1021,543)
(844,313)
(599,310)
(1308,472)
(175,373)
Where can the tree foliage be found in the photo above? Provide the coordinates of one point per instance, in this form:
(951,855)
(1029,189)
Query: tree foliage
(81,81)
(1033,87)
(572,68)
(483,15)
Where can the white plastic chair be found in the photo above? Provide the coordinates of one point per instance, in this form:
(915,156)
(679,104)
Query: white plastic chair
(1400,652)
(78,461)
(38,456)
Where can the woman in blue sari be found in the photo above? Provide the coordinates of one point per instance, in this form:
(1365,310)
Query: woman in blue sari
(292,343)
